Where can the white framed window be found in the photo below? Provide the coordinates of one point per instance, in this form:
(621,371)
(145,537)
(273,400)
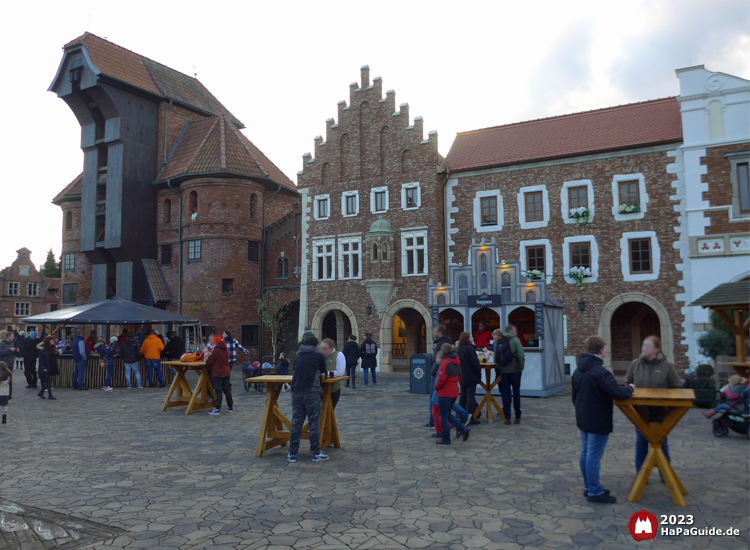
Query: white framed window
(530,255)
(322,207)
(14,288)
(323,260)
(350,203)
(629,194)
(350,258)
(23,270)
(378,200)
(576,194)
(580,251)
(533,206)
(69,262)
(488,211)
(32,289)
(22,309)
(411,196)
(640,256)
(414,253)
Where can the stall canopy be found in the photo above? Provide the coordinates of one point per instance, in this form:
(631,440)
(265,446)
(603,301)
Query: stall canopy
(115,311)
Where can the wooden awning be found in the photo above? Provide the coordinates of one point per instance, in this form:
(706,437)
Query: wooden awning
(726,296)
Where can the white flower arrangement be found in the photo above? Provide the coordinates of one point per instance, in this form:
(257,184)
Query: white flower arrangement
(628,209)
(580,214)
(533,274)
(578,274)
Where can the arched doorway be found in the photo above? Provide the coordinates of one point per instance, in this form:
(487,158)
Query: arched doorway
(524,319)
(335,320)
(403,332)
(665,326)
(630,324)
(489,317)
(453,321)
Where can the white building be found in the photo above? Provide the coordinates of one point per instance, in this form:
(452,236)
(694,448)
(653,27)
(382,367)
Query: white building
(712,189)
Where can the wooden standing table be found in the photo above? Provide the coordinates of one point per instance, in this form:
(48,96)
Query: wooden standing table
(489,399)
(276,428)
(740,368)
(203,397)
(678,401)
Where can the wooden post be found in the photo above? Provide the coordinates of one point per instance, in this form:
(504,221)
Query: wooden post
(739,335)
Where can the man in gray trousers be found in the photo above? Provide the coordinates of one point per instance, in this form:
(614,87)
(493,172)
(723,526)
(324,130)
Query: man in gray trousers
(307,397)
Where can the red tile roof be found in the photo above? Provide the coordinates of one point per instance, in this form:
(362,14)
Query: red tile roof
(215,146)
(73,189)
(627,126)
(141,72)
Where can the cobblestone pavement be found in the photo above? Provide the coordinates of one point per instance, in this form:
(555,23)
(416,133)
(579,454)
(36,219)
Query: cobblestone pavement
(167,480)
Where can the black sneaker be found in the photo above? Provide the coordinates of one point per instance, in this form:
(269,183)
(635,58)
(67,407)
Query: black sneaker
(83,388)
(586,493)
(466,435)
(602,499)
(428,426)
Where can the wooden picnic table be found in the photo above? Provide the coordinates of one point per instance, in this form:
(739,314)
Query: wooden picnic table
(276,428)
(203,397)
(678,401)
(489,399)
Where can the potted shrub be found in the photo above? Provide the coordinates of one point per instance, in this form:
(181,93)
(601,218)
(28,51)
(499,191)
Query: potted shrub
(702,382)
(533,275)
(580,215)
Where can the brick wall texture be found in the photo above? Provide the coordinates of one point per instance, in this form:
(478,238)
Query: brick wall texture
(719,191)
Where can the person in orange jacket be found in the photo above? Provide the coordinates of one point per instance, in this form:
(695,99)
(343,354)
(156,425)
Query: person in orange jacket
(151,349)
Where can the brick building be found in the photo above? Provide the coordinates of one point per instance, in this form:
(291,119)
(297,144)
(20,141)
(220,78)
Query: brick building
(372,225)
(175,206)
(25,292)
(522,183)
(715,223)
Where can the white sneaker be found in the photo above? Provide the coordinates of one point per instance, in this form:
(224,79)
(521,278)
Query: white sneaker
(107,388)
(130,387)
(215,412)
(140,387)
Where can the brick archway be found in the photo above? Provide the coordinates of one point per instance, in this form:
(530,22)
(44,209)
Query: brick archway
(339,308)
(386,344)
(665,326)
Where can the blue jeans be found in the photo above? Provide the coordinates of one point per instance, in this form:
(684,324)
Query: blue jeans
(432,392)
(154,364)
(463,416)
(110,370)
(447,419)
(78,372)
(592,449)
(641,450)
(132,367)
(373,375)
(508,382)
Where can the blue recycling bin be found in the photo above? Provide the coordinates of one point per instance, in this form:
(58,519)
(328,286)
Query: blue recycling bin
(419,373)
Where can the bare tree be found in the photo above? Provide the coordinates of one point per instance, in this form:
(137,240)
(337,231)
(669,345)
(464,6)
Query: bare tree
(273,312)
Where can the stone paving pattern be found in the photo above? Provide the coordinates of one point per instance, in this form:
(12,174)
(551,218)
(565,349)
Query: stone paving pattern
(191,482)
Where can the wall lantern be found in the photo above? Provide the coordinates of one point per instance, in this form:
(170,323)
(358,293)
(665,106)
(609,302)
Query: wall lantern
(582,305)
(368,309)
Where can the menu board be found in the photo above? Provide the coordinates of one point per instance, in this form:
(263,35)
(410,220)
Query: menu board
(539,321)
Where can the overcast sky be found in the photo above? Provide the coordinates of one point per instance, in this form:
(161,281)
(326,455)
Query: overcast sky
(281,67)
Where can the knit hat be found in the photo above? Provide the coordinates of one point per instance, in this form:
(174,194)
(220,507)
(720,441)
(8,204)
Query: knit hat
(217,340)
(113,340)
(32,334)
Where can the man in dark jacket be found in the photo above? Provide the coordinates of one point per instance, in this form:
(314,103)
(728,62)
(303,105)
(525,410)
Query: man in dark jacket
(471,376)
(130,351)
(30,353)
(594,388)
(218,364)
(369,354)
(351,354)
(80,356)
(307,391)
(439,337)
(174,349)
(509,368)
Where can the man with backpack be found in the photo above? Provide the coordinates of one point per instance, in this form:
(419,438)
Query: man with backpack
(369,354)
(352,354)
(509,363)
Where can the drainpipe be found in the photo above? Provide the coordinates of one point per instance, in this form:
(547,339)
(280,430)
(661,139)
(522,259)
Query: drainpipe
(179,248)
(263,267)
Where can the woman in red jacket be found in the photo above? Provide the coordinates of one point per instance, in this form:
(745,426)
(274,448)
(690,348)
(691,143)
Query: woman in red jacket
(218,365)
(446,388)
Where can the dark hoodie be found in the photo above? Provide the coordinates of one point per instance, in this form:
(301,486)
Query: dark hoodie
(594,388)
(471,372)
(218,361)
(448,377)
(369,354)
(351,352)
(436,345)
(309,364)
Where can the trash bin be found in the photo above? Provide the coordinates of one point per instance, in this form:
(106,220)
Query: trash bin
(419,373)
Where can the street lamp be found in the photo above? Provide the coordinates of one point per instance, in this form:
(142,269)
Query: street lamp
(582,305)
(368,309)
